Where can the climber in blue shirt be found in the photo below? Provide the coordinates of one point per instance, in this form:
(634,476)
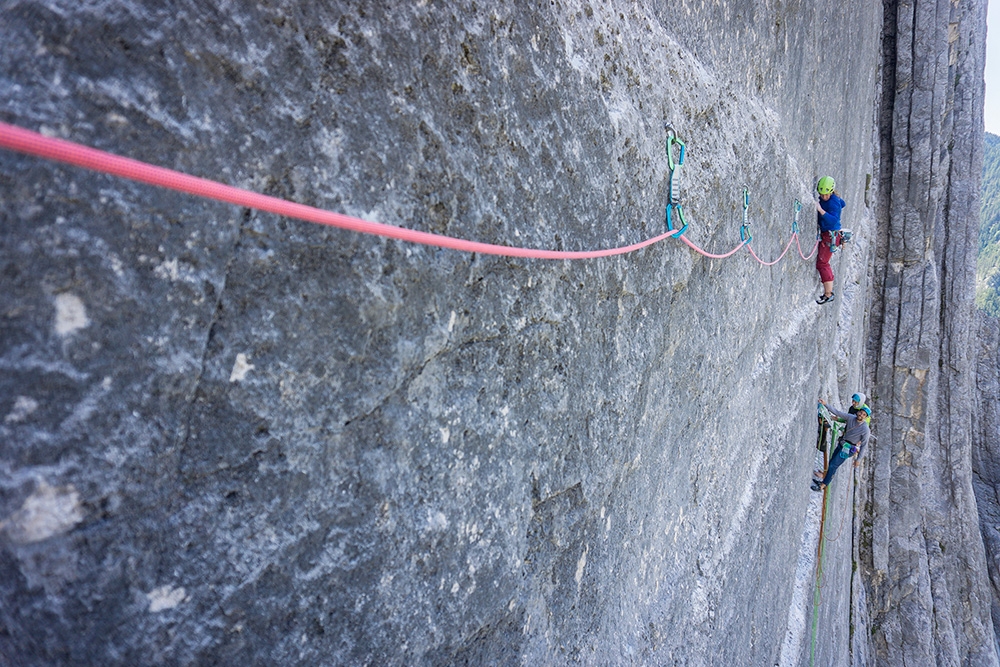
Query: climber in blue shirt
(828,210)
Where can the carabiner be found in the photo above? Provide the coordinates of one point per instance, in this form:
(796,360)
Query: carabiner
(745,229)
(673,184)
(680,216)
(671,141)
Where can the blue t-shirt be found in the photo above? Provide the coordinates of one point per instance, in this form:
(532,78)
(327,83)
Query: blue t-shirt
(830,221)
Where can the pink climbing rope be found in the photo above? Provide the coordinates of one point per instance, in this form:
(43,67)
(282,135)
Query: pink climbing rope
(708,254)
(750,248)
(33,143)
(815,246)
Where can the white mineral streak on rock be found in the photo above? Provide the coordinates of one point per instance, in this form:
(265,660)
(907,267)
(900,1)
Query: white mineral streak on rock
(71,315)
(791,648)
(48,511)
(580,565)
(739,514)
(240,368)
(169,270)
(794,324)
(23,406)
(437,521)
(165,597)
(699,601)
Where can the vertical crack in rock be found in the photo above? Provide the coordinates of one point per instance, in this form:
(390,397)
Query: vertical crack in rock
(590,484)
(410,375)
(986,454)
(926,571)
(183,438)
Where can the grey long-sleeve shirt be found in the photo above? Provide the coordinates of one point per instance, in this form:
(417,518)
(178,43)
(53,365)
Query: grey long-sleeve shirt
(856,432)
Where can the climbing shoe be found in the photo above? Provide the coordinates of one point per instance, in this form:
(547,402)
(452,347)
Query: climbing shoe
(816,486)
(825,299)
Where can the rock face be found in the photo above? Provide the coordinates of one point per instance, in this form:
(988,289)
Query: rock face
(921,549)
(229,438)
(986,453)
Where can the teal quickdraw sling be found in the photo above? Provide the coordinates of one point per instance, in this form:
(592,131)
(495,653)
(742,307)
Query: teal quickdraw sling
(673,184)
(674,213)
(745,229)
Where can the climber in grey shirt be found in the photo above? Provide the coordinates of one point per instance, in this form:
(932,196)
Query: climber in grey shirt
(853,441)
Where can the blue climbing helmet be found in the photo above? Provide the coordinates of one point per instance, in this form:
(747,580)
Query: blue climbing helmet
(825,185)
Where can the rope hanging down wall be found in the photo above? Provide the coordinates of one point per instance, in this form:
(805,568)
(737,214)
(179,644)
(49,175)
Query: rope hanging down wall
(32,143)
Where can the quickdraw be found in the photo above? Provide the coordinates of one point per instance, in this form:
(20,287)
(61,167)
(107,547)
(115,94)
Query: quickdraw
(839,238)
(673,186)
(745,229)
(674,213)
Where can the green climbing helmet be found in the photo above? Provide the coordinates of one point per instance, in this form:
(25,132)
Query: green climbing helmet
(825,185)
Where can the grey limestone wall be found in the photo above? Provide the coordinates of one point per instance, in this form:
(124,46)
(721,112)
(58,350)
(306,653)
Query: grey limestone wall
(923,559)
(230,438)
(986,454)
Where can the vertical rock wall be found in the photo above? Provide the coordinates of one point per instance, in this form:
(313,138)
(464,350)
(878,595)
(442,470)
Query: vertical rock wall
(923,558)
(230,438)
(986,454)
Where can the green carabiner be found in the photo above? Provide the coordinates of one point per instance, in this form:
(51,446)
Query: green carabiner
(672,140)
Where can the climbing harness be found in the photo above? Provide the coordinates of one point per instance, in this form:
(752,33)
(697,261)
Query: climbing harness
(839,238)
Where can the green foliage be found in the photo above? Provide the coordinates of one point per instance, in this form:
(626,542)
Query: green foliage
(988,262)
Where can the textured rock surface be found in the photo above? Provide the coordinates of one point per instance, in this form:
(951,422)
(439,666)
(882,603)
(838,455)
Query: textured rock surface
(986,454)
(922,552)
(233,438)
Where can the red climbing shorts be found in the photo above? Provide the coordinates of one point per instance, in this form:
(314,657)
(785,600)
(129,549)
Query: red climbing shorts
(823,255)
